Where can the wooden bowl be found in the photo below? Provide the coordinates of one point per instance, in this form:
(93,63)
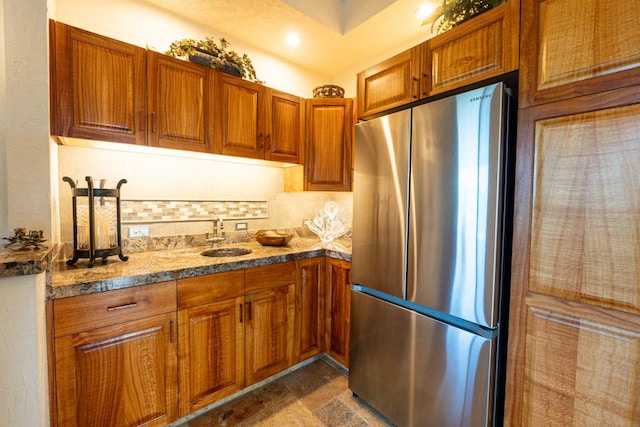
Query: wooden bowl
(273,239)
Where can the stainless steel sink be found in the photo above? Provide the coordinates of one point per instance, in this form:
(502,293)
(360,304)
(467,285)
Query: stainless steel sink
(224,252)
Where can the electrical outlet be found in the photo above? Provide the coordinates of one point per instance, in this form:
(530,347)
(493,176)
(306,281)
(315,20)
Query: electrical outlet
(138,231)
(241,226)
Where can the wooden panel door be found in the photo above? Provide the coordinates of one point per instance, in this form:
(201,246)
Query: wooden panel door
(118,375)
(284,140)
(391,83)
(240,114)
(486,46)
(328,148)
(269,318)
(98,87)
(576,47)
(180,104)
(211,353)
(574,331)
(310,308)
(338,309)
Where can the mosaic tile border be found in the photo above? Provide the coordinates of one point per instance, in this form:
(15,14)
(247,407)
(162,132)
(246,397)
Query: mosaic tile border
(153,211)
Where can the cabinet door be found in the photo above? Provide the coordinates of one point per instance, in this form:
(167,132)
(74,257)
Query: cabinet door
(484,47)
(98,87)
(180,104)
(285,138)
(240,111)
(574,331)
(391,83)
(123,374)
(328,148)
(338,309)
(577,47)
(309,308)
(211,353)
(269,335)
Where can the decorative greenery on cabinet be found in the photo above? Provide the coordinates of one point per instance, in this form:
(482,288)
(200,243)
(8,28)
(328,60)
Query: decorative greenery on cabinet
(216,55)
(454,12)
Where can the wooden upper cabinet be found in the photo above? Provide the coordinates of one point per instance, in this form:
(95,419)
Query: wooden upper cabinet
(284,139)
(576,47)
(258,122)
(328,147)
(394,82)
(180,103)
(98,87)
(240,110)
(484,47)
(574,331)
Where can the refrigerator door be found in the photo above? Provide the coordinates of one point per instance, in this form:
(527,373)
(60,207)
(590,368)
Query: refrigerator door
(417,371)
(380,203)
(454,219)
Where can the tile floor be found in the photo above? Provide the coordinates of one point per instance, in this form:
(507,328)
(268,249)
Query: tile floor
(316,394)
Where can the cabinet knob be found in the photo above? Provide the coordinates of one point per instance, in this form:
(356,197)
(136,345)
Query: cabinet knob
(268,142)
(260,142)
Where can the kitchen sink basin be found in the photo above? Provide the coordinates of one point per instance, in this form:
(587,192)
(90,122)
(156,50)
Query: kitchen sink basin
(224,252)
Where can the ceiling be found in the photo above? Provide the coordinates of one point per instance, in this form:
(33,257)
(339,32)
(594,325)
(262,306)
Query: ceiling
(336,35)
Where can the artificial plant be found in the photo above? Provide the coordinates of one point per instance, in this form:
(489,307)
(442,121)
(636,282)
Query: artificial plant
(220,56)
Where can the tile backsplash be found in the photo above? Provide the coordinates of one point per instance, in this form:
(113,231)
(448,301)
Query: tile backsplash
(157,211)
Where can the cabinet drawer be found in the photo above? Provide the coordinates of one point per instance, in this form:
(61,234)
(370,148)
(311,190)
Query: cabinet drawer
(270,276)
(86,312)
(200,290)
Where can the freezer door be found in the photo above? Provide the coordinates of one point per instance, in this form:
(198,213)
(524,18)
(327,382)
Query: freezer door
(417,371)
(380,203)
(455,208)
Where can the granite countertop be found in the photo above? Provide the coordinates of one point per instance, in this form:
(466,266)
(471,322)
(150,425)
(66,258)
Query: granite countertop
(164,265)
(15,262)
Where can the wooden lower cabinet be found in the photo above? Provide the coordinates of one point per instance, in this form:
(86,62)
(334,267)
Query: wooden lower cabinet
(211,353)
(310,308)
(121,373)
(338,309)
(269,320)
(235,328)
(150,354)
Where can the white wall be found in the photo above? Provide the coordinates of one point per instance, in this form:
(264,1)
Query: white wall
(146,25)
(23,384)
(25,200)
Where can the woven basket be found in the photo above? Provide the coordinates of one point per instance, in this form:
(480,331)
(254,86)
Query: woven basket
(328,91)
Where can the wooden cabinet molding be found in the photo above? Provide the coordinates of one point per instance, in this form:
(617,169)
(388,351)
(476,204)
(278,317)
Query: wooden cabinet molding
(571,48)
(574,324)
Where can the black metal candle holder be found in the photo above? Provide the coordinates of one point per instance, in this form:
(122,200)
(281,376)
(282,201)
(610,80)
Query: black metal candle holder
(92,251)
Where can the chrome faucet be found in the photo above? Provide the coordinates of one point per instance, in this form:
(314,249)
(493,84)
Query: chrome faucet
(218,226)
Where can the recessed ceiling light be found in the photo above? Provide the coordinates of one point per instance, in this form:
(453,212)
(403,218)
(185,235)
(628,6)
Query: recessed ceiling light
(425,11)
(292,39)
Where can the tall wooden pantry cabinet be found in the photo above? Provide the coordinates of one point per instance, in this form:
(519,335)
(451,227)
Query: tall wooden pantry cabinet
(574,331)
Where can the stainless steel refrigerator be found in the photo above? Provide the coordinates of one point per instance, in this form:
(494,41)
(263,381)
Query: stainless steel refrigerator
(430,261)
